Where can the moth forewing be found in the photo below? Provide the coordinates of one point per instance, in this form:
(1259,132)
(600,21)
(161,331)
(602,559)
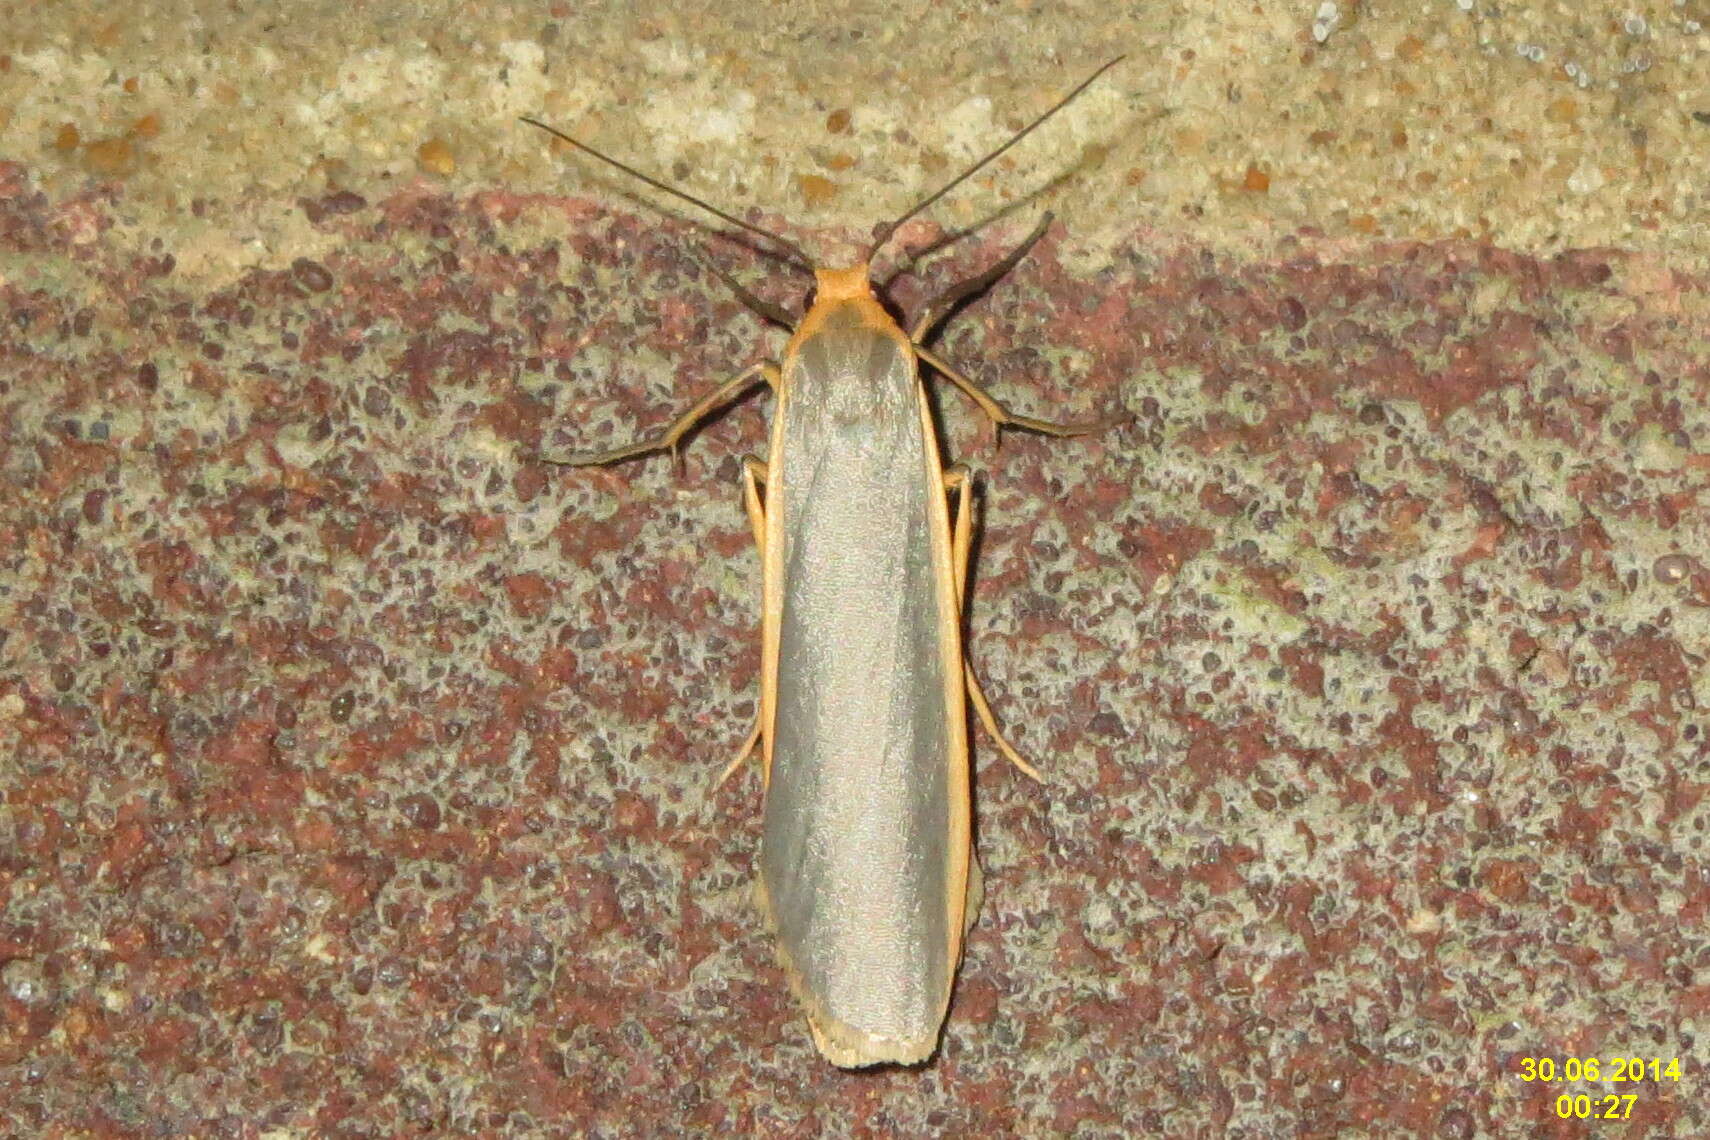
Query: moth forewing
(865,841)
(867,868)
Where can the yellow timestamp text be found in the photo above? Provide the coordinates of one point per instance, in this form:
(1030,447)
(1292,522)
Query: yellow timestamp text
(1615,1069)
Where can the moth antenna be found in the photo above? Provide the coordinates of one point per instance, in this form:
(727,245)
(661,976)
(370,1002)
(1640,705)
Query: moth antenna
(796,256)
(887,231)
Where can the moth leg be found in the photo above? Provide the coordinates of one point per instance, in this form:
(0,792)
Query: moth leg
(956,480)
(668,439)
(753,478)
(765,310)
(741,755)
(1001,416)
(945,303)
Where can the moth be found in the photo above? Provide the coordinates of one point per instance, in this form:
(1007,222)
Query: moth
(867,871)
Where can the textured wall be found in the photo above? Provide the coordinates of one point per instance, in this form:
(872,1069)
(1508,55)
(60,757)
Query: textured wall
(353,765)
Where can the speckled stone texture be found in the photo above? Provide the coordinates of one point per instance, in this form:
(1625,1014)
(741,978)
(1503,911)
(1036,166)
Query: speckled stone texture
(354,764)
